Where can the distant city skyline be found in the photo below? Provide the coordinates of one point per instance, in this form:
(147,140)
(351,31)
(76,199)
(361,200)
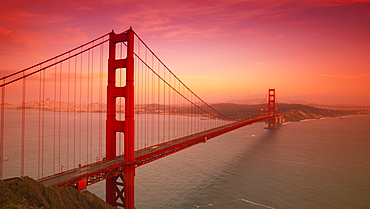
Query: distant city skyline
(312,51)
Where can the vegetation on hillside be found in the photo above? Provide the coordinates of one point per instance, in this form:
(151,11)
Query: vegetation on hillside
(291,112)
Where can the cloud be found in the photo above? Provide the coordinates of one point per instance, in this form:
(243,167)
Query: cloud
(336,2)
(339,76)
(194,76)
(197,20)
(264,63)
(176,22)
(4,31)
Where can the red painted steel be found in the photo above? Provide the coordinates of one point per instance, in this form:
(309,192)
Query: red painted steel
(129,172)
(106,169)
(82,184)
(272,109)
(113,125)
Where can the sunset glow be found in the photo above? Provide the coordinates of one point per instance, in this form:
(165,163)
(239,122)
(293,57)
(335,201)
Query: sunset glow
(313,51)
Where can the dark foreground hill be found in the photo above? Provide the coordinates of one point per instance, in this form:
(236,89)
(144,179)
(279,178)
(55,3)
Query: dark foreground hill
(291,112)
(24,192)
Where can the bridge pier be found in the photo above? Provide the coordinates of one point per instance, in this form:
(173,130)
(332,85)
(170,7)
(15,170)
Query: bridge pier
(120,188)
(279,119)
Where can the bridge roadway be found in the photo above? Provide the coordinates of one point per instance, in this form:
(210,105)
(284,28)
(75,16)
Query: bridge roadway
(99,171)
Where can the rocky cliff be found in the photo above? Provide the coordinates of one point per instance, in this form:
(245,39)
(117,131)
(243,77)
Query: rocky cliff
(25,193)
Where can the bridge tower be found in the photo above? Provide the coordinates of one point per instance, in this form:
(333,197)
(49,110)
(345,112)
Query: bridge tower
(272,109)
(120,188)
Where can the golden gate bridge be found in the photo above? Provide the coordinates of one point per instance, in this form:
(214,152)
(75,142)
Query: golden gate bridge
(101,110)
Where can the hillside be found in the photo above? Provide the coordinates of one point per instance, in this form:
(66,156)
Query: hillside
(25,193)
(297,112)
(291,112)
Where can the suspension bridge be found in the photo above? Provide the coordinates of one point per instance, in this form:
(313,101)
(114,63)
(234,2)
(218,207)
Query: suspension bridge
(101,110)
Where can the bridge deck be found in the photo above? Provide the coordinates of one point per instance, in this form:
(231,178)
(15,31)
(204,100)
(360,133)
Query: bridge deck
(107,168)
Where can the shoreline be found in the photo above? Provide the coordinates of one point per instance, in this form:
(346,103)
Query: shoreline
(324,118)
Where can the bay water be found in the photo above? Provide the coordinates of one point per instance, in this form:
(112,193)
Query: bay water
(310,164)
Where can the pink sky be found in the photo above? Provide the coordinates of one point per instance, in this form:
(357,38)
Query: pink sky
(315,51)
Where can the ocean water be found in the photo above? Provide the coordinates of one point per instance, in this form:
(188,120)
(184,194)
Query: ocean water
(311,164)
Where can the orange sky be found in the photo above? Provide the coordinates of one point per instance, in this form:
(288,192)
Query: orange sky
(314,51)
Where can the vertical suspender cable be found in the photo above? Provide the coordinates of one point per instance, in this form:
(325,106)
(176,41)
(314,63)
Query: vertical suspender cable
(54,106)
(23,124)
(169,107)
(43,123)
(74,112)
(153,102)
(100,99)
(164,105)
(142,91)
(143,94)
(182,112)
(140,98)
(2,130)
(87,106)
(164,108)
(147,102)
(68,83)
(159,109)
(80,115)
(179,114)
(60,116)
(39,132)
(91,102)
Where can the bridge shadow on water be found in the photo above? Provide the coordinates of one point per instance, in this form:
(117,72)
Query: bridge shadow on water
(226,172)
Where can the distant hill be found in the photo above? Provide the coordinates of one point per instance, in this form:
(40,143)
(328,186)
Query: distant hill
(24,192)
(297,112)
(291,112)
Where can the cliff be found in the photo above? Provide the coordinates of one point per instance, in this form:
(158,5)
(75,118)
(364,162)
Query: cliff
(24,192)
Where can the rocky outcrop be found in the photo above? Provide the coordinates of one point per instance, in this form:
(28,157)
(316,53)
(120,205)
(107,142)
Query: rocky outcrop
(25,192)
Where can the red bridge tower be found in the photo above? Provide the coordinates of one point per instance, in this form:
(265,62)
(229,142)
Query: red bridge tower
(272,109)
(120,188)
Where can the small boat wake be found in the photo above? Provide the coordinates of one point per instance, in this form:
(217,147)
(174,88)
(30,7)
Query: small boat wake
(254,203)
(218,204)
